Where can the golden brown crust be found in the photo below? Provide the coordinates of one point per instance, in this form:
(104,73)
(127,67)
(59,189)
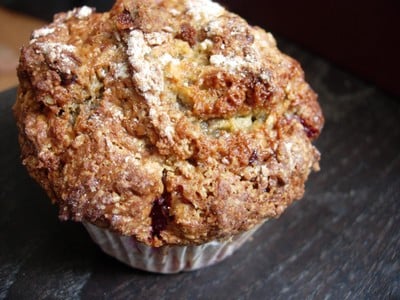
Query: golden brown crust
(172,121)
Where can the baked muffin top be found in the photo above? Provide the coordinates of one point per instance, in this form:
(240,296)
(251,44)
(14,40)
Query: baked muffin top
(173,121)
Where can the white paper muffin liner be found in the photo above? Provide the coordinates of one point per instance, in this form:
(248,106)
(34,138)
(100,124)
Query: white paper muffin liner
(165,259)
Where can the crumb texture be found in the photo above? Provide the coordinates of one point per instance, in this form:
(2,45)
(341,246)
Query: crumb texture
(172,121)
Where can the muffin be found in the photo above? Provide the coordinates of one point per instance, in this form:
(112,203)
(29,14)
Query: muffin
(171,129)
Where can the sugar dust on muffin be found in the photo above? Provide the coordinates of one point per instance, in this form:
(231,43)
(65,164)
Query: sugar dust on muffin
(174,122)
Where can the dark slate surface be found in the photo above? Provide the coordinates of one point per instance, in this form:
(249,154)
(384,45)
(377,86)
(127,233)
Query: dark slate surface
(342,241)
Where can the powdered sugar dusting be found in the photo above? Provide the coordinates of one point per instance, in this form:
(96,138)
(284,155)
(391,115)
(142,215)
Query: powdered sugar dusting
(265,75)
(215,27)
(231,64)
(42,32)
(206,44)
(203,10)
(166,59)
(83,12)
(137,46)
(169,131)
(149,77)
(288,147)
(174,12)
(58,55)
(80,13)
(120,70)
(157,38)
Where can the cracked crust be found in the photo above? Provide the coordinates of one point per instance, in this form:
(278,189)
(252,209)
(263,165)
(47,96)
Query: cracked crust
(171,121)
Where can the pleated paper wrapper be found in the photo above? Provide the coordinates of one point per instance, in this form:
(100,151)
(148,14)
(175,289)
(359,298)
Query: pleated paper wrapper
(165,259)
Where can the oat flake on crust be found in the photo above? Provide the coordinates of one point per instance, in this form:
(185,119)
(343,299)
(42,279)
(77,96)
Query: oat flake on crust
(171,121)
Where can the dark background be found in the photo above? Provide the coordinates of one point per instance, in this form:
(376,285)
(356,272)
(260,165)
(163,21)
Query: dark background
(359,36)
